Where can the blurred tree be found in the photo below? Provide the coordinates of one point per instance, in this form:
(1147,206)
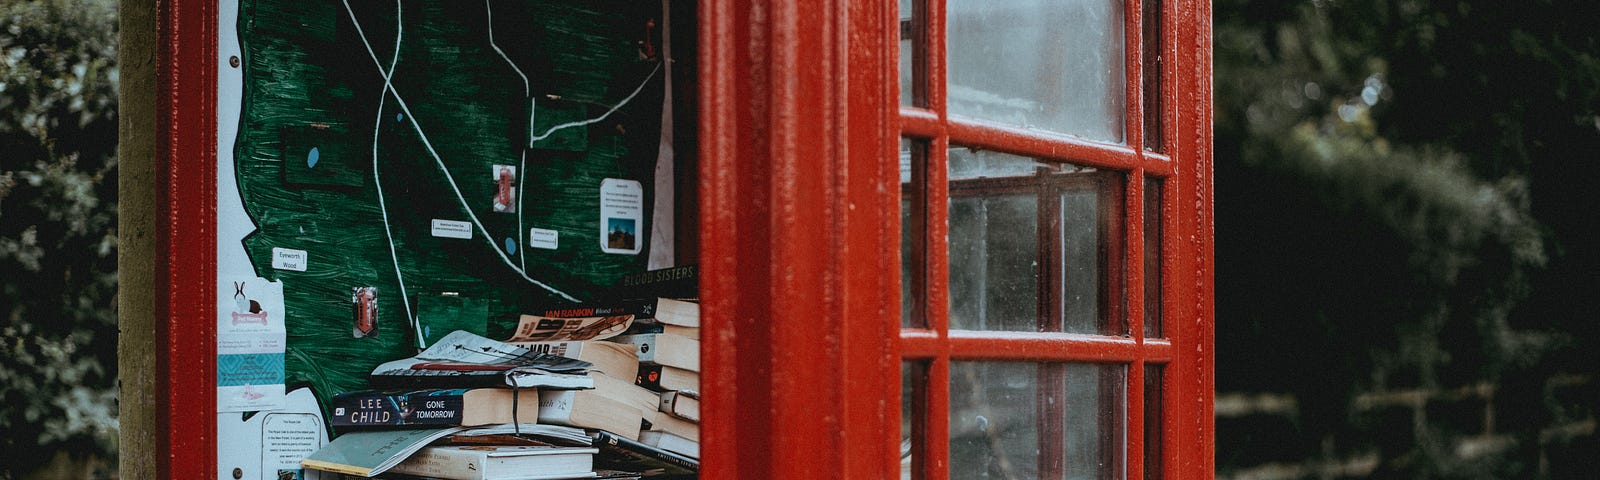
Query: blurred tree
(1402,202)
(58,192)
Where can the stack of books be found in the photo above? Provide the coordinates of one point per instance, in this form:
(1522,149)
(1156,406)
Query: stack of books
(578,391)
(668,348)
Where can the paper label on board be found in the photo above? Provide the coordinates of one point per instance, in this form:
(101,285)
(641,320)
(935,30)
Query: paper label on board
(250,343)
(270,446)
(541,238)
(621,216)
(288,438)
(289,259)
(452,229)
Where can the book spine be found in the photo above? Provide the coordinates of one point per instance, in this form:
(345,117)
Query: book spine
(672,404)
(675,282)
(630,453)
(641,308)
(380,409)
(644,345)
(555,406)
(442,464)
(649,377)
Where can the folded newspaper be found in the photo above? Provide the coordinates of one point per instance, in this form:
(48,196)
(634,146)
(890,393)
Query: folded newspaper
(465,360)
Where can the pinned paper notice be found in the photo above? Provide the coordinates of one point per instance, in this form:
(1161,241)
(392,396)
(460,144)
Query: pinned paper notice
(621,216)
(288,259)
(541,238)
(452,229)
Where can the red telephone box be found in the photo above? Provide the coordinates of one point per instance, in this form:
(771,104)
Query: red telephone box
(937,238)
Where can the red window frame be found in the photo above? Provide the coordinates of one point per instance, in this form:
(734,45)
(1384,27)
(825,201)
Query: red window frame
(799,222)
(1174,98)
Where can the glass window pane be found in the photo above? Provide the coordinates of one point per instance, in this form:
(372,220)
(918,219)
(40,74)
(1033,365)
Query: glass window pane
(994,262)
(912,76)
(969,163)
(1031,420)
(913,159)
(1080,262)
(1152,74)
(913,423)
(1054,65)
(1152,258)
(1152,421)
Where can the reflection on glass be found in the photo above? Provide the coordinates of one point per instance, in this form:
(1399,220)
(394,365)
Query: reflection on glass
(968,163)
(994,262)
(1152,421)
(1031,420)
(913,155)
(913,380)
(910,49)
(1152,74)
(1054,65)
(1080,262)
(1152,258)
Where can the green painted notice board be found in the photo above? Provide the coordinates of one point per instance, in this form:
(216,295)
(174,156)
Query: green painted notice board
(384,161)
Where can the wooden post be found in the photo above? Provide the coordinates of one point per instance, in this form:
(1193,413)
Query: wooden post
(136,248)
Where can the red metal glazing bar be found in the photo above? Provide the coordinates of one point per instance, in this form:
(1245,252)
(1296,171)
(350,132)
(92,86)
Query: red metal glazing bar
(936,198)
(1133,79)
(186,168)
(1133,249)
(1036,143)
(1157,165)
(1031,346)
(937,67)
(937,421)
(917,122)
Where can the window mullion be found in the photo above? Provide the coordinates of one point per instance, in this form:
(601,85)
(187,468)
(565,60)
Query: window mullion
(1133,65)
(1133,253)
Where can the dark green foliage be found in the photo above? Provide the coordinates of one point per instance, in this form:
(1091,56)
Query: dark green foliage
(1405,200)
(58,239)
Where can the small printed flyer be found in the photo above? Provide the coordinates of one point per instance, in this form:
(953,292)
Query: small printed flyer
(250,344)
(621,216)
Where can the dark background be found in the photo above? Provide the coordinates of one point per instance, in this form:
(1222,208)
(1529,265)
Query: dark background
(1407,277)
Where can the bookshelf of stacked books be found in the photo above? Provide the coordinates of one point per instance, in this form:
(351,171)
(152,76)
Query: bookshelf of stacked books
(595,390)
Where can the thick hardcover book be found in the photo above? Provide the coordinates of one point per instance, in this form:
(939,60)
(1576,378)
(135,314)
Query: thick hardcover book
(613,359)
(676,282)
(640,328)
(624,454)
(675,426)
(683,404)
(434,407)
(372,452)
(586,409)
(649,310)
(500,463)
(663,378)
(665,349)
(672,443)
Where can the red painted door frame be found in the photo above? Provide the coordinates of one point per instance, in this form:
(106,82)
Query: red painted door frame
(186,168)
(799,210)
(799,231)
